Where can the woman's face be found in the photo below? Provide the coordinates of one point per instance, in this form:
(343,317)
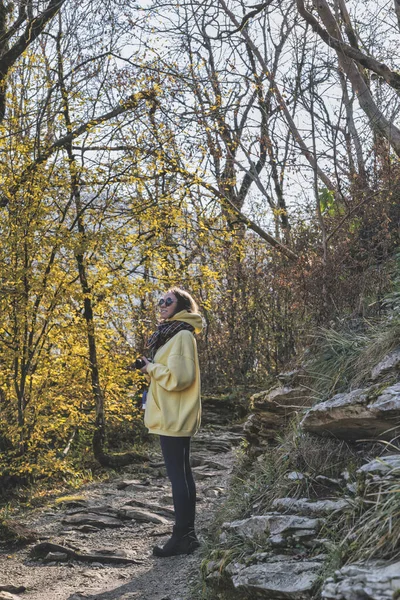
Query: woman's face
(167,305)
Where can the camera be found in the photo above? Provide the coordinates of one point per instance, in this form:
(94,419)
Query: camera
(139,363)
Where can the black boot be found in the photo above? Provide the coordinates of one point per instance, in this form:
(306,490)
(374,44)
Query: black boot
(182,541)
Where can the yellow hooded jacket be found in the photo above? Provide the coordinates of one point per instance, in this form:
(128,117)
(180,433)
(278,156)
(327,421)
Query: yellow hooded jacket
(173,406)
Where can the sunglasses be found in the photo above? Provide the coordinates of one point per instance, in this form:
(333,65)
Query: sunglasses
(166,302)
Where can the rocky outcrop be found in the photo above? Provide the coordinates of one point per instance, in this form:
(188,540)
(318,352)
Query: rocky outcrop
(296,533)
(292,563)
(360,414)
(361,581)
(271,410)
(215,443)
(290,378)
(223,410)
(50,552)
(141,515)
(271,574)
(8,596)
(388,465)
(280,530)
(13,589)
(388,368)
(310,508)
(92,519)
(279,577)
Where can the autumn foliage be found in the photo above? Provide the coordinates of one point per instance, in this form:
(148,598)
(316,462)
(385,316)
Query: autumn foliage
(126,170)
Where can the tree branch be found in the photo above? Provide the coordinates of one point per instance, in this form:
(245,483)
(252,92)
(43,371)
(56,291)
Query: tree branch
(15,26)
(130,103)
(379,123)
(397,10)
(251,224)
(33,29)
(262,233)
(281,101)
(257,9)
(370,63)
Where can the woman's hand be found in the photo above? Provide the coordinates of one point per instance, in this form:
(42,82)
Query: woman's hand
(144,369)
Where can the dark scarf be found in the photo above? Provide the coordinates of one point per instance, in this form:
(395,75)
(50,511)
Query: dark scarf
(164,332)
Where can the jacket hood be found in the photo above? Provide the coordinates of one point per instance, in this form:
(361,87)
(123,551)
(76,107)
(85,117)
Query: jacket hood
(193,319)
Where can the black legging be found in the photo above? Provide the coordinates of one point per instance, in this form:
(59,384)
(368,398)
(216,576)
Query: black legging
(176,452)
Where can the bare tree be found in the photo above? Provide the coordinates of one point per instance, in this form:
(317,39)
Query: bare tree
(351,60)
(19,28)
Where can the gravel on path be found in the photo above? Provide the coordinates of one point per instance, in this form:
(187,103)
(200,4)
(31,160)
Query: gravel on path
(151,578)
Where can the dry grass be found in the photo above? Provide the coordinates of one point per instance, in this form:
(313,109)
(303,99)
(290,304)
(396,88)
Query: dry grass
(343,360)
(376,532)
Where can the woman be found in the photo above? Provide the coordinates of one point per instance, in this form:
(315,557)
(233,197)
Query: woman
(173,408)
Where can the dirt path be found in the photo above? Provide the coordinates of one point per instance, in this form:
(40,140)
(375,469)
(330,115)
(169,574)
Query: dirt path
(111,521)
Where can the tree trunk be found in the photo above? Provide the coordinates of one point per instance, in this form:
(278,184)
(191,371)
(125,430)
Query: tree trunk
(99,436)
(378,121)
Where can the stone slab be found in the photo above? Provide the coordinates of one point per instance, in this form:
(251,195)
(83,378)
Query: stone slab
(359,414)
(289,579)
(378,581)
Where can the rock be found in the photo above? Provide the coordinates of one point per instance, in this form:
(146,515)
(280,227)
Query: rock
(351,488)
(290,378)
(92,519)
(330,482)
(43,549)
(139,514)
(363,413)
(237,427)
(222,410)
(13,589)
(289,579)
(213,492)
(166,499)
(365,580)
(110,552)
(271,410)
(14,531)
(273,524)
(102,510)
(86,528)
(220,442)
(282,400)
(8,596)
(294,524)
(382,466)
(56,557)
(138,487)
(306,507)
(203,473)
(198,460)
(389,366)
(156,464)
(295,476)
(256,526)
(154,508)
(121,485)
